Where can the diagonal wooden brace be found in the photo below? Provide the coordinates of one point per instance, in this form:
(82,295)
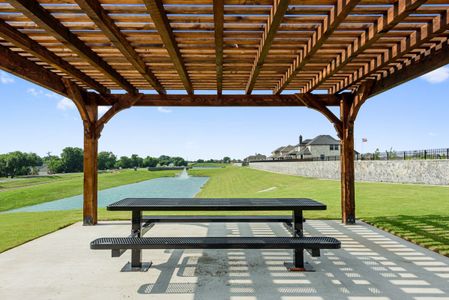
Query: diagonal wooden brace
(311,101)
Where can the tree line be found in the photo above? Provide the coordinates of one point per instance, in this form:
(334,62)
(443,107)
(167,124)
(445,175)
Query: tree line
(19,163)
(70,160)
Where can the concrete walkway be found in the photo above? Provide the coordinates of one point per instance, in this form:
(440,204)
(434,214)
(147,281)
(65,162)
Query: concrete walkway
(372,265)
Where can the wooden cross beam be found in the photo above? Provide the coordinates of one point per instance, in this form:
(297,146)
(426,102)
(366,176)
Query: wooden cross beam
(219,100)
(160,20)
(218,28)
(416,40)
(397,13)
(22,41)
(35,12)
(28,70)
(97,14)
(274,20)
(341,10)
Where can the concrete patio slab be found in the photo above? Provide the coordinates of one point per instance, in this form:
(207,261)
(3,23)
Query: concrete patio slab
(371,265)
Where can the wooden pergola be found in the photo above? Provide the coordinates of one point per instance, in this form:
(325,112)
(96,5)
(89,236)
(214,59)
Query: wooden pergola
(107,52)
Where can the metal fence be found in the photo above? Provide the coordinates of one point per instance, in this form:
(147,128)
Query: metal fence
(442,153)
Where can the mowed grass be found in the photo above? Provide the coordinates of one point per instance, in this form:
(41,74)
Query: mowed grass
(372,199)
(24,192)
(402,209)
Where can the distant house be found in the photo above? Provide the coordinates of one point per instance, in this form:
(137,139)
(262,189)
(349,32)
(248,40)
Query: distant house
(255,157)
(319,147)
(282,152)
(275,154)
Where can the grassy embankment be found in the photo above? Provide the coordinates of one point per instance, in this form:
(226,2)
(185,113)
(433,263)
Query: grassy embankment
(416,212)
(28,191)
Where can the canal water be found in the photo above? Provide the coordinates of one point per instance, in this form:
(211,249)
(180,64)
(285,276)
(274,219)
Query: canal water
(164,187)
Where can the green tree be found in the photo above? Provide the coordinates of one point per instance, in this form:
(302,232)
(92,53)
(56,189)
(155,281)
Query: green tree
(3,165)
(106,160)
(19,163)
(376,154)
(54,165)
(136,161)
(226,160)
(164,160)
(124,162)
(150,162)
(178,161)
(72,159)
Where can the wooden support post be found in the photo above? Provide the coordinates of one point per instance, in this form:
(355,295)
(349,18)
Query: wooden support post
(88,110)
(87,105)
(347,163)
(349,108)
(90,168)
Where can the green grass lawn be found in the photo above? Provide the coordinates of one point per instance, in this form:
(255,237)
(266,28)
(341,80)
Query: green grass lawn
(23,192)
(419,213)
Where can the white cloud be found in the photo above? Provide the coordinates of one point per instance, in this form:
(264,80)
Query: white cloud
(437,76)
(51,95)
(5,78)
(163,110)
(432,134)
(65,104)
(38,92)
(34,92)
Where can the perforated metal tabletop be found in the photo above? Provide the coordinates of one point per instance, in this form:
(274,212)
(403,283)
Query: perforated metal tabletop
(183,204)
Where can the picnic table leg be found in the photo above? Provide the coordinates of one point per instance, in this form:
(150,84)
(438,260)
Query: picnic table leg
(136,227)
(298,254)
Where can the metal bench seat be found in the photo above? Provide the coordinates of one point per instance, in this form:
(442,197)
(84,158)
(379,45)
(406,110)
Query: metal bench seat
(115,243)
(216,219)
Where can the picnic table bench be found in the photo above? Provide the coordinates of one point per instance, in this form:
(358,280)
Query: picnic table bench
(140,224)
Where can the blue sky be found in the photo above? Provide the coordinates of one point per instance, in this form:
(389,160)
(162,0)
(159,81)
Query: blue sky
(411,116)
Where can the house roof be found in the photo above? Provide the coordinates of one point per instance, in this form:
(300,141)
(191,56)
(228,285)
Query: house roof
(306,141)
(288,148)
(278,149)
(323,140)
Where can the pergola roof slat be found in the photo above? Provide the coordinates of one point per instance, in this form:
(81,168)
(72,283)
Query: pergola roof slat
(24,68)
(41,17)
(341,11)
(157,12)
(397,13)
(218,28)
(186,45)
(21,40)
(94,10)
(274,20)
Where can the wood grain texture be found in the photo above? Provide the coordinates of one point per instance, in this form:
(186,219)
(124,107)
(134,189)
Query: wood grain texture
(237,46)
(337,16)
(219,30)
(347,163)
(274,21)
(20,66)
(380,28)
(94,10)
(223,100)
(35,12)
(162,23)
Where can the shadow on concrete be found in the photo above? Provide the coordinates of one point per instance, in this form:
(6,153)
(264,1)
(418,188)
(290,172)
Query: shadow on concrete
(371,265)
